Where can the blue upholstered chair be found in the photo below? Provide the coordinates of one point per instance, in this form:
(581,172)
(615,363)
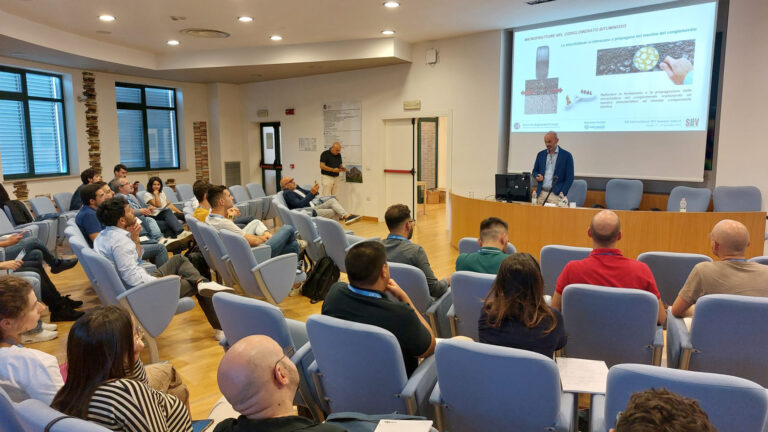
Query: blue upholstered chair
(8,420)
(335,240)
(359,368)
(578,192)
(43,205)
(40,230)
(255,190)
(63,200)
(270,278)
(616,325)
(285,216)
(553,261)
(242,200)
(492,388)
(737,199)
(153,303)
(470,245)
(729,335)
(623,194)
(185,191)
(308,232)
(731,403)
(242,316)
(696,199)
(34,415)
(412,280)
(760,259)
(468,290)
(671,270)
(193,223)
(210,240)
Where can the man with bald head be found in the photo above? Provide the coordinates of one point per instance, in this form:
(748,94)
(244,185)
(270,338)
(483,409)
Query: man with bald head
(606,266)
(731,274)
(330,167)
(260,382)
(553,169)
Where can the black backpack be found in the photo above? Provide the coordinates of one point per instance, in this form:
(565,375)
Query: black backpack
(324,274)
(20,212)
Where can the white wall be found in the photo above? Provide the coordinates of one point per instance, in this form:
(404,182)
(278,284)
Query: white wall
(463,87)
(195,108)
(227,132)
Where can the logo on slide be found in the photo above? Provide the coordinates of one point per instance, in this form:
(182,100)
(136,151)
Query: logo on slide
(517,126)
(692,122)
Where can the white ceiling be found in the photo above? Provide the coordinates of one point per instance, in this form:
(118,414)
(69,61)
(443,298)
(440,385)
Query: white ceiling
(68,32)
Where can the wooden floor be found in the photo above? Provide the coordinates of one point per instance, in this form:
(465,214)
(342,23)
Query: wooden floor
(188,342)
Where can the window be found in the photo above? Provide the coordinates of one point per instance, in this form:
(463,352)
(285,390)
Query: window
(146,126)
(33,135)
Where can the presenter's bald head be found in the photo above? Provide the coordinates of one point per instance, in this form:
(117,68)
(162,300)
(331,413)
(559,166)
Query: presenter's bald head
(550,141)
(604,229)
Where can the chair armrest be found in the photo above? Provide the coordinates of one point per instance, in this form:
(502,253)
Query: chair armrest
(567,418)
(419,387)
(658,345)
(360,241)
(262,252)
(678,340)
(314,372)
(437,313)
(349,232)
(278,275)
(148,266)
(435,398)
(597,414)
(153,303)
(32,229)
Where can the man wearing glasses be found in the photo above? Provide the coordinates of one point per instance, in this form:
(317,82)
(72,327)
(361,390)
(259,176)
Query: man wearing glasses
(401,250)
(297,198)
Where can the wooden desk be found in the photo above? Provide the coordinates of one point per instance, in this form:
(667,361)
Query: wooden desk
(532,227)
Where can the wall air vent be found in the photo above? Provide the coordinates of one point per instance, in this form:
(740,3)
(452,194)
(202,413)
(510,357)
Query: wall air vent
(204,33)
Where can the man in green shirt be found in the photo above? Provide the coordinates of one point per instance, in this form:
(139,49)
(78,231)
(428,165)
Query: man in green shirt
(493,244)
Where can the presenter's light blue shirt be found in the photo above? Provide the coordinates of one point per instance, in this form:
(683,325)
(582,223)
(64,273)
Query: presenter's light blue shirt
(550,169)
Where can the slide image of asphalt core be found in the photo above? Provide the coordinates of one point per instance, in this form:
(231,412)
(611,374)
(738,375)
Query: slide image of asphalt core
(541,96)
(637,58)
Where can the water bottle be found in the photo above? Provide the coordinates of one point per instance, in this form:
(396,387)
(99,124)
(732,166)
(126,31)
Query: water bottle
(683,205)
(563,200)
(534,197)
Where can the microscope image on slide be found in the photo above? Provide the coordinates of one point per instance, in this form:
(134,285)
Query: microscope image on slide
(643,58)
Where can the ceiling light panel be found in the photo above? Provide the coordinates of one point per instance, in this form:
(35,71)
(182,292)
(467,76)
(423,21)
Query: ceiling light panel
(107,18)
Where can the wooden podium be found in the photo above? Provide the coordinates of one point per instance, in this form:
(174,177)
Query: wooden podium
(533,227)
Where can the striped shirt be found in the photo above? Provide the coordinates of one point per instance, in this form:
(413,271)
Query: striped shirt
(131,405)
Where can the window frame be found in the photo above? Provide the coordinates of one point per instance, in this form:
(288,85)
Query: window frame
(143,107)
(24,98)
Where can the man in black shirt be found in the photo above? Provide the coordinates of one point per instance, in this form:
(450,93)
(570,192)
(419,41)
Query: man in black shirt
(330,167)
(363,300)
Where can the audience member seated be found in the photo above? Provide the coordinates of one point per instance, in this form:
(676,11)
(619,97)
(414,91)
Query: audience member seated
(515,313)
(260,383)
(732,274)
(364,300)
(401,250)
(24,373)
(606,266)
(162,210)
(119,242)
(88,176)
(297,197)
(282,242)
(42,331)
(121,171)
(493,245)
(106,382)
(660,410)
(200,207)
(149,226)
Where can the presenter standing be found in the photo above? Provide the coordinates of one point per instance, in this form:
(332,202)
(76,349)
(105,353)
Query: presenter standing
(553,170)
(330,167)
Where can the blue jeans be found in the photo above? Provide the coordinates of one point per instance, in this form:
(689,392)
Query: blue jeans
(149,227)
(155,253)
(283,241)
(167,216)
(29,244)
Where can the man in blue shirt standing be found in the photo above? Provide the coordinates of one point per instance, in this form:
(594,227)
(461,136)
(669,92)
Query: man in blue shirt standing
(553,170)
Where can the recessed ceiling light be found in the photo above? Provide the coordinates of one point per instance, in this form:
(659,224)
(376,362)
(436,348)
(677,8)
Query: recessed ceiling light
(244,19)
(391,4)
(387,32)
(276,37)
(173,42)
(107,18)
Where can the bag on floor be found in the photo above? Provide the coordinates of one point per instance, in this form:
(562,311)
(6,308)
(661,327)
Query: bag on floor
(324,274)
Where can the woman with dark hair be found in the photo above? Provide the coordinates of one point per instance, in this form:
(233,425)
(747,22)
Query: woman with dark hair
(106,381)
(162,210)
(4,197)
(515,313)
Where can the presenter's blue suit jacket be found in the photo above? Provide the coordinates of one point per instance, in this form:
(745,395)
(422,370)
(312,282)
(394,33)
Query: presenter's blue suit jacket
(563,170)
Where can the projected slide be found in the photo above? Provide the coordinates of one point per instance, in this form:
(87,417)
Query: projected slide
(644,72)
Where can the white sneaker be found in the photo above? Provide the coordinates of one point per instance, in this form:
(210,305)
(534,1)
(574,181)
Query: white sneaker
(40,336)
(169,243)
(184,234)
(219,335)
(208,289)
(49,326)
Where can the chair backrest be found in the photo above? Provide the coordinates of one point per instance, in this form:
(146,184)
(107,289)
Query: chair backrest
(729,335)
(140,189)
(78,243)
(578,192)
(731,403)
(255,190)
(334,240)
(346,354)
(62,199)
(185,191)
(285,215)
(42,205)
(616,325)
(308,232)
(623,194)
(696,199)
(6,224)
(239,253)
(239,194)
(242,316)
(469,290)
(279,198)
(193,225)
(737,199)
(553,261)
(524,395)
(8,420)
(105,279)
(670,270)
(470,245)
(210,239)
(171,195)
(34,415)
(760,259)
(412,280)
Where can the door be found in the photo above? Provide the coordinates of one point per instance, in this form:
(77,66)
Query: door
(270,157)
(399,169)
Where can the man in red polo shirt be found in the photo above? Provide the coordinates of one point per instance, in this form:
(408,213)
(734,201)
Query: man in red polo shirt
(606,266)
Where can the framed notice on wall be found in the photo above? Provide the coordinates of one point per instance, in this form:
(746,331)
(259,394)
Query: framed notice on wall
(342,123)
